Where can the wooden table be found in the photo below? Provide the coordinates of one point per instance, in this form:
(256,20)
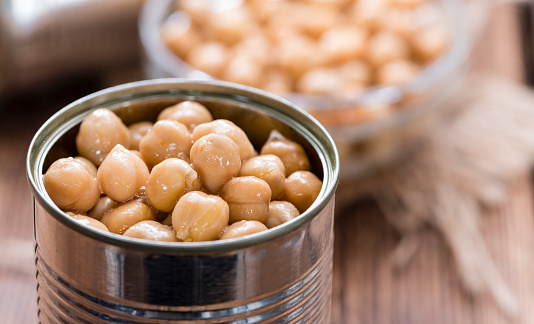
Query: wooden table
(366,288)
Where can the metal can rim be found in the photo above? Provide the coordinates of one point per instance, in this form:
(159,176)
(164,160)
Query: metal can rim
(308,126)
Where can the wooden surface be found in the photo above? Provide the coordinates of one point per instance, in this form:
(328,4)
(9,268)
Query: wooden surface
(366,287)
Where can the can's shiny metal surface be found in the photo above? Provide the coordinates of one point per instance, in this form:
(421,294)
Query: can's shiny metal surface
(279,276)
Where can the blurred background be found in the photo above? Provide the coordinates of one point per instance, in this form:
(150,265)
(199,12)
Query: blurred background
(390,80)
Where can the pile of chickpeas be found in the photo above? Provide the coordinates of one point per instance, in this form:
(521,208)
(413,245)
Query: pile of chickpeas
(186,177)
(319,47)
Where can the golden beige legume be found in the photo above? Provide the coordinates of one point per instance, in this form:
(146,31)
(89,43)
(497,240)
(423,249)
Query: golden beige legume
(301,189)
(122,174)
(248,198)
(217,195)
(151,230)
(242,228)
(99,132)
(216,159)
(71,186)
(200,217)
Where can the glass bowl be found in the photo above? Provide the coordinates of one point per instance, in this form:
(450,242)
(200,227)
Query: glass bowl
(371,127)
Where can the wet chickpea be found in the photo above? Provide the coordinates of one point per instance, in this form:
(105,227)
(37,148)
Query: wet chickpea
(151,230)
(216,159)
(168,181)
(200,217)
(242,228)
(137,132)
(89,221)
(71,186)
(91,167)
(301,189)
(99,132)
(248,198)
(167,139)
(269,168)
(122,174)
(280,212)
(103,205)
(189,113)
(119,219)
(228,128)
(292,154)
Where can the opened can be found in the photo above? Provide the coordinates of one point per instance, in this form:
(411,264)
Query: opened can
(283,275)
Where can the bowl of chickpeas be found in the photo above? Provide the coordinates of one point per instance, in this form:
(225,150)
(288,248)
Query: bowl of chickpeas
(371,71)
(183,200)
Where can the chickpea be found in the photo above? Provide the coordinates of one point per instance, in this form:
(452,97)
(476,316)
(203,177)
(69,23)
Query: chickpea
(119,219)
(71,186)
(228,128)
(292,154)
(245,70)
(168,181)
(386,46)
(179,34)
(356,71)
(99,132)
(88,164)
(199,217)
(122,174)
(231,26)
(255,46)
(320,81)
(430,42)
(103,205)
(314,19)
(248,198)
(216,159)
(242,228)
(189,113)
(301,189)
(343,43)
(167,139)
(88,221)
(198,10)
(397,72)
(276,81)
(367,13)
(294,55)
(269,168)
(407,3)
(137,132)
(151,230)
(398,20)
(210,57)
(280,212)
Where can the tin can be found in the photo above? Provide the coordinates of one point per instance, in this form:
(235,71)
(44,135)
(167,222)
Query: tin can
(283,275)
